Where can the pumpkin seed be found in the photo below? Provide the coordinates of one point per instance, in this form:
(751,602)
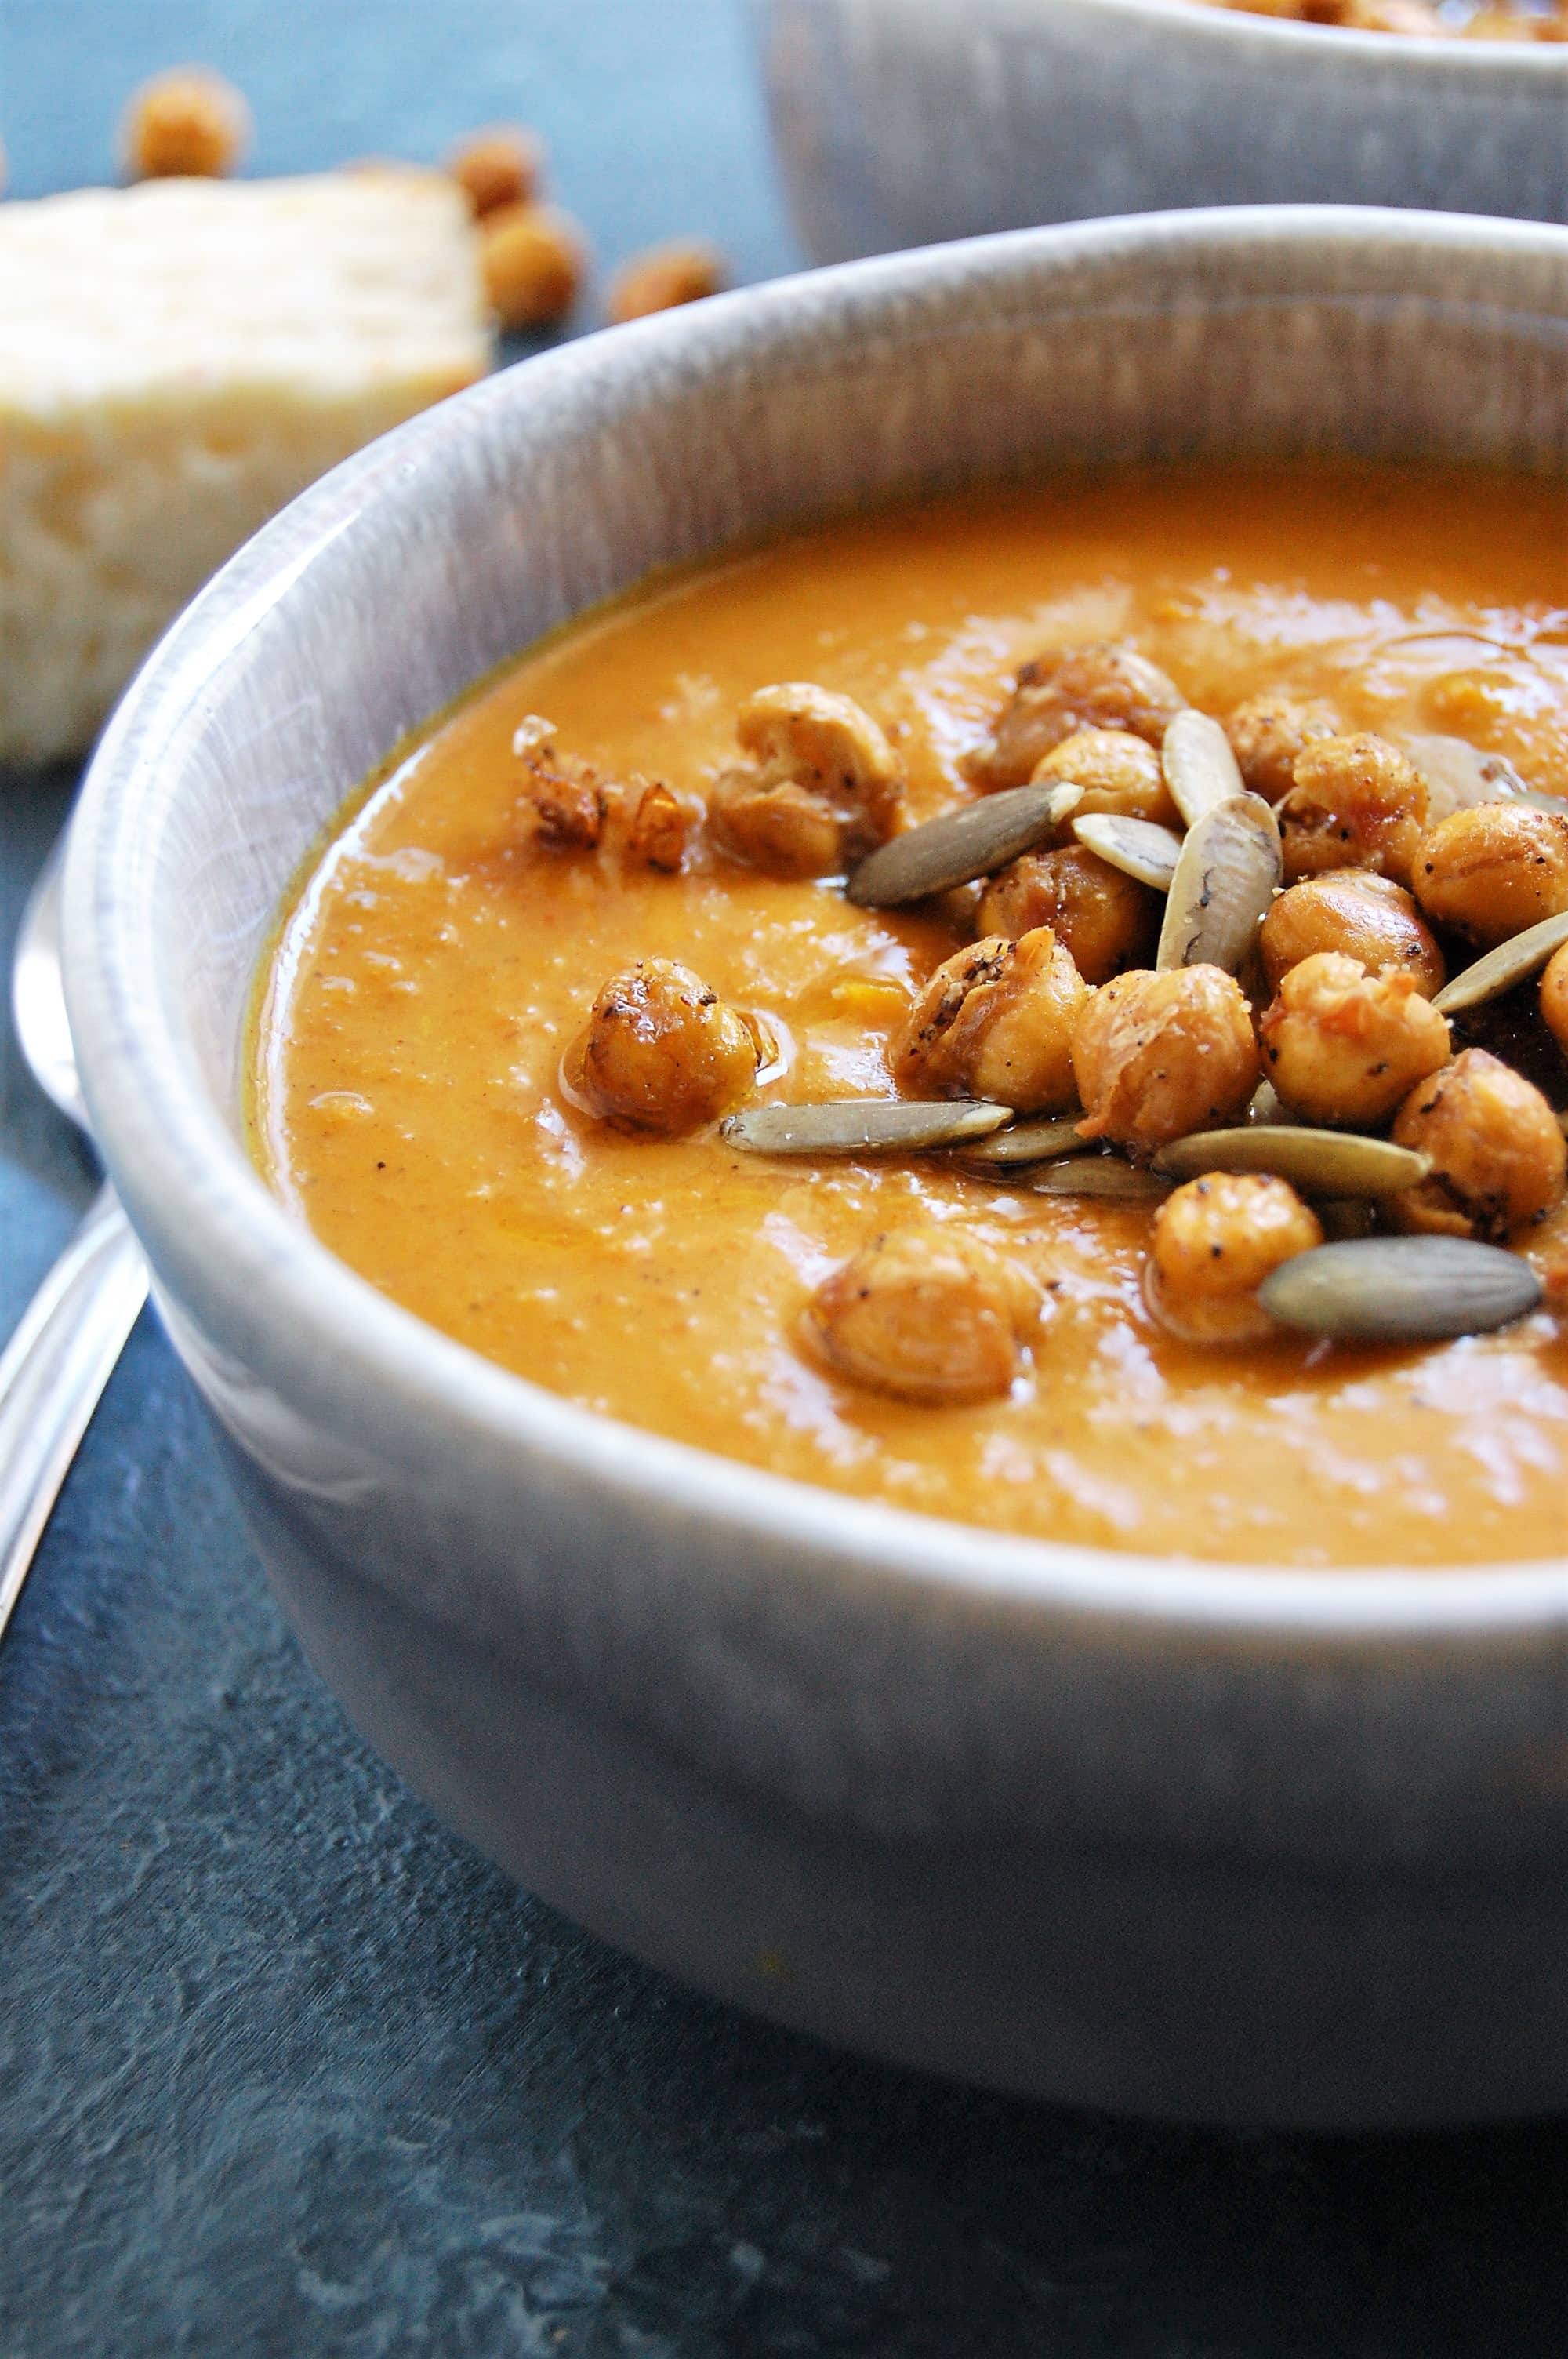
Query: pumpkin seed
(1401,1289)
(862,1126)
(1323,1162)
(1200,769)
(1031,1142)
(1523,954)
(1106,1176)
(1139,847)
(1459,776)
(1231,867)
(962,845)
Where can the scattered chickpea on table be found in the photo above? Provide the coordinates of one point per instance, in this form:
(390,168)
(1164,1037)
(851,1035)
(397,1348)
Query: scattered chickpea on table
(187,122)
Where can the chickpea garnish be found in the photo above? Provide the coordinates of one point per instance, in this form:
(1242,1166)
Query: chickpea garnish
(533,259)
(660,1051)
(1493,870)
(1118,773)
(566,807)
(1343,1047)
(685,271)
(564,803)
(1554,998)
(1355,910)
(1101,687)
(995,1021)
(503,165)
(1104,921)
(187,122)
(822,784)
(1214,1242)
(1498,1156)
(927,1313)
(1268,732)
(1355,802)
(1157,1054)
(660,825)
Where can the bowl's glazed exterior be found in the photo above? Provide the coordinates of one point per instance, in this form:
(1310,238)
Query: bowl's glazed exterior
(898,122)
(1197,1840)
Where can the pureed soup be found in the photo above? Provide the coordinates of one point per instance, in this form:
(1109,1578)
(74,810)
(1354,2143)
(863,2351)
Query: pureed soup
(523,1041)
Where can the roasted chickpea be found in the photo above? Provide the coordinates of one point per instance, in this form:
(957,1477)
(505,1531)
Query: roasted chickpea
(533,259)
(821,786)
(1102,687)
(566,807)
(1157,1054)
(658,825)
(1498,1153)
(1268,732)
(1492,871)
(928,1314)
(1118,772)
(1344,1047)
(1554,998)
(1355,802)
(995,1021)
(564,803)
(503,165)
(189,123)
(1214,1242)
(686,271)
(1104,921)
(660,1051)
(1368,916)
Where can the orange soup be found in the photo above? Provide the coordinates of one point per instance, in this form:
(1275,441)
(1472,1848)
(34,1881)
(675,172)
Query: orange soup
(436,1056)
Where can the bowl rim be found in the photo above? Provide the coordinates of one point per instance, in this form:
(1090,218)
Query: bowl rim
(341,1351)
(1345,43)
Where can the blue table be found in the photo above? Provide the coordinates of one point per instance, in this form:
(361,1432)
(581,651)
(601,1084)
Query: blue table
(283,2068)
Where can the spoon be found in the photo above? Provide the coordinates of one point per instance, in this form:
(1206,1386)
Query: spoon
(72,1332)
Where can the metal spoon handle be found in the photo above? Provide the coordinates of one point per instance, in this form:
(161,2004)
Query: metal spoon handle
(52,1373)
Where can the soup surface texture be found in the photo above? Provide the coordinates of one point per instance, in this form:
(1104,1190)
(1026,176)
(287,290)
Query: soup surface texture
(407,1093)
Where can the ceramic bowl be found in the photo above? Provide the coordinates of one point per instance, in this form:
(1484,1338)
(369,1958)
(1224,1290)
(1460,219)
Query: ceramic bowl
(1192,1840)
(898,122)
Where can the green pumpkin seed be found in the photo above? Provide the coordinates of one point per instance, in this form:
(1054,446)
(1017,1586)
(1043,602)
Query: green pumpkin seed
(1321,1162)
(1031,1142)
(1200,769)
(1459,776)
(1401,1289)
(1103,1176)
(1139,847)
(1521,955)
(962,845)
(1231,867)
(862,1126)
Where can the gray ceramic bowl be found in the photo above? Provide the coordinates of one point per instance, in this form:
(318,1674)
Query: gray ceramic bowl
(1200,1841)
(898,122)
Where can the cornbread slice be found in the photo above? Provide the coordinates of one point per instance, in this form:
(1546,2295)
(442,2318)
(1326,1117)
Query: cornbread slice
(176,360)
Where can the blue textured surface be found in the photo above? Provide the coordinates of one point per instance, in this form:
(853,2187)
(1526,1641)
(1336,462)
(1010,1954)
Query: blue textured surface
(283,2068)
